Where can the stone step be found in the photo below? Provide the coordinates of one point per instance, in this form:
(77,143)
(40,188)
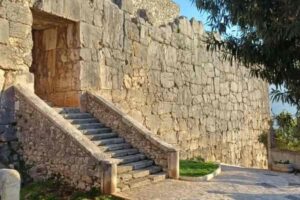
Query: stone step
(96,131)
(77,115)
(89,126)
(131,158)
(115,147)
(134,166)
(134,183)
(123,152)
(83,121)
(67,110)
(139,173)
(109,141)
(102,136)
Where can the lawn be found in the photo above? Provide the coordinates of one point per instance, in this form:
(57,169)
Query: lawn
(53,190)
(196,168)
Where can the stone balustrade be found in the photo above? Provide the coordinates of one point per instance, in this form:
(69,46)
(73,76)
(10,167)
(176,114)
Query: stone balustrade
(56,148)
(134,132)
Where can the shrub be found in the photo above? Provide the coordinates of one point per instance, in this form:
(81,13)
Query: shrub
(287,134)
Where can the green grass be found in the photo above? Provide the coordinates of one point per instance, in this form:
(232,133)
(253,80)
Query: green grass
(53,190)
(196,168)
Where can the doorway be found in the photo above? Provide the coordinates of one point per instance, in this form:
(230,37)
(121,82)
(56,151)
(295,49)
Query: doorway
(56,58)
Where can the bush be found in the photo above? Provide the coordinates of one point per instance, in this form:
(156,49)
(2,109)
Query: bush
(287,134)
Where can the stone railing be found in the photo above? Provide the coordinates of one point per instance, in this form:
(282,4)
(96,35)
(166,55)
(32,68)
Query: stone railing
(55,147)
(135,133)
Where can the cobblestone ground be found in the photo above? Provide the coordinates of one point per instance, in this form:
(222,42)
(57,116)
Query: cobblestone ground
(234,183)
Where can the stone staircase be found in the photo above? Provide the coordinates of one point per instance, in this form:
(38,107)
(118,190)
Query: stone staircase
(134,168)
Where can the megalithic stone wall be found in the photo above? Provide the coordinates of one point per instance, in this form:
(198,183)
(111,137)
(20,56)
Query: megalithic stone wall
(161,76)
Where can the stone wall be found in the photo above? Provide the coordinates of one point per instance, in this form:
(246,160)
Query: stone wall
(164,78)
(161,76)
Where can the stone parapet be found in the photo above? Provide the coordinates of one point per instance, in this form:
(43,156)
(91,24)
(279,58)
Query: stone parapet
(134,132)
(56,148)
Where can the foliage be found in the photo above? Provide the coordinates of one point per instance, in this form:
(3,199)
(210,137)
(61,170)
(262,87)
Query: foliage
(195,168)
(287,134)
(55,190)
(267,39)
(263,138)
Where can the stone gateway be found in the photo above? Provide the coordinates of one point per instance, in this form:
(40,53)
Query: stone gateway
(152,68)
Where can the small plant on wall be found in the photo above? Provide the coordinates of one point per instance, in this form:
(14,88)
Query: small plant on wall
(263,139)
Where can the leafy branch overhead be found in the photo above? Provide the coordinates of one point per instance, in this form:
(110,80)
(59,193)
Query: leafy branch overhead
(267,37)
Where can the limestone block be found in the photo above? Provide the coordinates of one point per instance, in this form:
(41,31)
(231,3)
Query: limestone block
(165,123)
(167,80)
(233,87)
(164,108)
(19,30)
(10,184)
(72,9)
(17,12)
(132,31)
(87,12)
(197,26)
(90,36)
(4,31)
(184,26)
(152,123)
(113,35)
(224,89)
(139,50)
(3,11)
(94,76)
(171,56)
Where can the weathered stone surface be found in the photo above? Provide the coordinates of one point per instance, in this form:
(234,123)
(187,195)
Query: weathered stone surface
(10,184)
(4,31)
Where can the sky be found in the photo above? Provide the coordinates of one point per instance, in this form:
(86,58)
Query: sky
(189,10)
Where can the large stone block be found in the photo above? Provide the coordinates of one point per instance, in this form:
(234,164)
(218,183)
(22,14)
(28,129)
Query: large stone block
(4,31)
(167,80)
(113,35)
(17,12)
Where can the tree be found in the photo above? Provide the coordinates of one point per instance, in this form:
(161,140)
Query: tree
(268,39)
